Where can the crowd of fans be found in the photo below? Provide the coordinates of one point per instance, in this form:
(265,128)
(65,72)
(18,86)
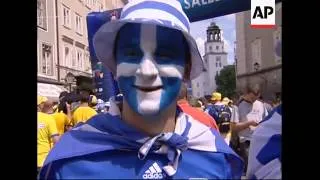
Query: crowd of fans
(235,122)
(235,119)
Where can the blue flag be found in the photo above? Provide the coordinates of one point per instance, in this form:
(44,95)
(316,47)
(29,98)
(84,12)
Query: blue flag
(105,84)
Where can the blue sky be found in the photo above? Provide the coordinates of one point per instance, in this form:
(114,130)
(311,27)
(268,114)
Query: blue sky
(226,23)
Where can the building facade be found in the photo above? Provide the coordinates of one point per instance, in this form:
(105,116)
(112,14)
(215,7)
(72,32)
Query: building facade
(63,40)
(47,49)
(258,55)
(72,37)
(215,59)
(115,4)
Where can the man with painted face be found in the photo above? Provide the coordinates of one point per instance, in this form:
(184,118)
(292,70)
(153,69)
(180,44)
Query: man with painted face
(150,51)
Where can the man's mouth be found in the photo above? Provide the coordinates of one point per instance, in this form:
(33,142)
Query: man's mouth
(148,89)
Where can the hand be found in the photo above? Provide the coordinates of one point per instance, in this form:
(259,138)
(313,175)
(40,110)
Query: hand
(253,123)
(68,127)
(252,128)
(68,106)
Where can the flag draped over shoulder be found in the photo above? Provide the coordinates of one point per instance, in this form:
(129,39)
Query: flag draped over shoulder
(106,132)
(265,148)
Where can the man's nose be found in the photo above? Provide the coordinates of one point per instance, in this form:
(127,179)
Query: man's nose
(148,68)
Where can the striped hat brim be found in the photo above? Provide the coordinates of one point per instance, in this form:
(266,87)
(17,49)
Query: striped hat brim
(104,44)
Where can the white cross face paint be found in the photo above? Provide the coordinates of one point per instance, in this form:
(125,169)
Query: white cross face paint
(150,72)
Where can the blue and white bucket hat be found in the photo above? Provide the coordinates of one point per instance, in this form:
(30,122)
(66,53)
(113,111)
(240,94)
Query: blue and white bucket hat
(166,13)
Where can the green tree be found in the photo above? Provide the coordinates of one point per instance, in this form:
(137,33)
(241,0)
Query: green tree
(226,81)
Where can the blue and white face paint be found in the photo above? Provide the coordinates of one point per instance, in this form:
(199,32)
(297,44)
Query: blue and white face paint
(150,66)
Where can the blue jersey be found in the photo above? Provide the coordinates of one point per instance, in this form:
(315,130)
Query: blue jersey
(106,147)
(215,111)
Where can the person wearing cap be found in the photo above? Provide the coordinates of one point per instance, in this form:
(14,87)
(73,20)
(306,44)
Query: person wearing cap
(47,131)
(150,52)
(226,101)
(221,112)
(40,102)
(93,101)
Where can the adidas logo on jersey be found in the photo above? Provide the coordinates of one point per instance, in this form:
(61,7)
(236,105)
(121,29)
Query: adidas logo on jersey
(154,172)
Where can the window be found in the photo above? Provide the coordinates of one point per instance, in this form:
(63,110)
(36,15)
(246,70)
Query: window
(197,84)
(100,7)
(210,48)
(79,26)
(46,62)
(256,50)
(114,3)
(218,61)
(217,73)
(67,55)
(217,47)
(87,62)
(66,17)
(277,45)
(42,20)
(88,3)
(79,59)
(74,61)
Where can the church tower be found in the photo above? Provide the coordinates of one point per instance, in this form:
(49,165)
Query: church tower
(215,57)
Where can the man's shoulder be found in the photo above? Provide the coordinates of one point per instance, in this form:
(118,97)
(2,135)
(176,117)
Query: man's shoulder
(110,166)
(258,104)
(85,109)
(244,105)
(45,117)
(95,135)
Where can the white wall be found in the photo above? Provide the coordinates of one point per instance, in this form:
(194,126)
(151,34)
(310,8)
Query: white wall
(213,47)
(206,80)
(212,69)
(198,91)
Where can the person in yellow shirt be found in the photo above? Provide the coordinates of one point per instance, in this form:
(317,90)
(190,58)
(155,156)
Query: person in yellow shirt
(63,115)
(41,100)
(47,131)
(93,101)
(62,121)
(83,112)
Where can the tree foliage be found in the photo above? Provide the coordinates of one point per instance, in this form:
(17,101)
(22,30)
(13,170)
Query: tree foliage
(226,81)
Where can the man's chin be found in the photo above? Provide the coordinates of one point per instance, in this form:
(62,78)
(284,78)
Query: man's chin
(148,111)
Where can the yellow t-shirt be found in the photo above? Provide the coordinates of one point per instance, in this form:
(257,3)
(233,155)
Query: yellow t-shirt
(46,130)
(62,120)
(82,114)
